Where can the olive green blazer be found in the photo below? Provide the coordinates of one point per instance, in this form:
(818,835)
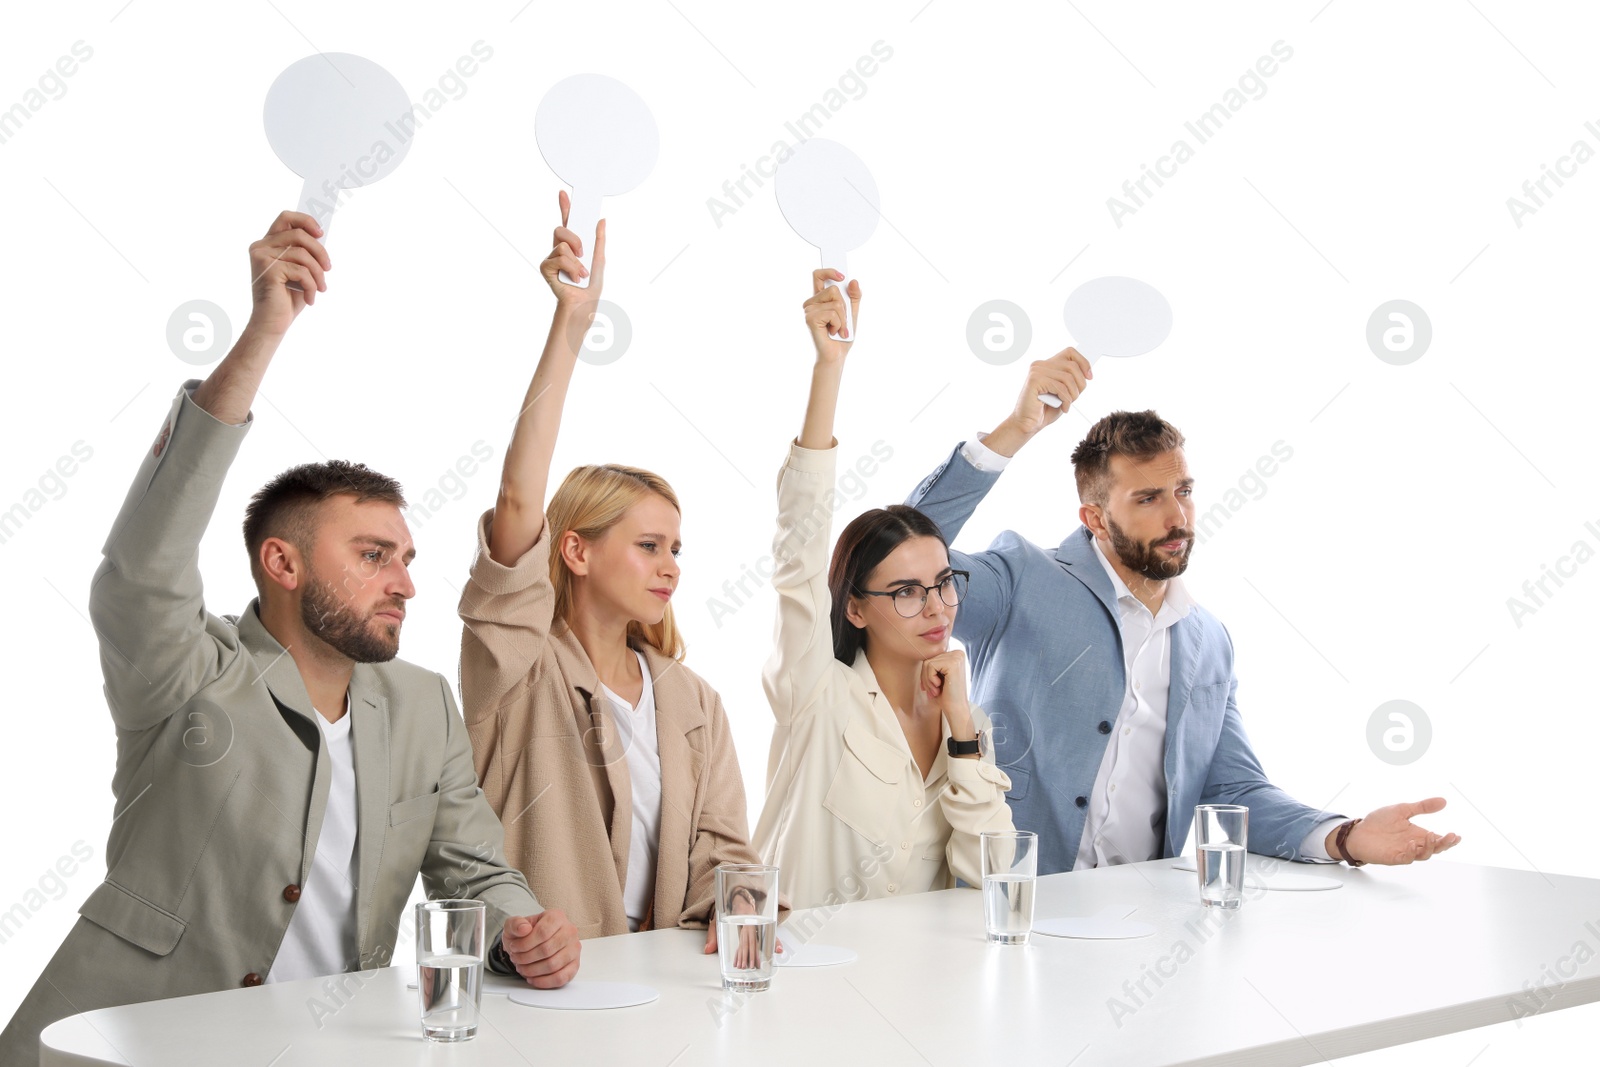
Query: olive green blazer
(221,781)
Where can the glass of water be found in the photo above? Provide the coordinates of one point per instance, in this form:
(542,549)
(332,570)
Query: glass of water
(1010,873)
(1221,834)
(450,967)
(747,924)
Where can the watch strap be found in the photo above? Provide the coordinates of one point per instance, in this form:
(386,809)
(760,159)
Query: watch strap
(1338,843)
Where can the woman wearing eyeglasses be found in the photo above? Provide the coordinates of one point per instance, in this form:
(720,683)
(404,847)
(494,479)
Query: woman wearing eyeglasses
(880,776)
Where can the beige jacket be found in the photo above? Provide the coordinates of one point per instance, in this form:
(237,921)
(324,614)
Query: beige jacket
(555,771)
(848,815)
(222,777)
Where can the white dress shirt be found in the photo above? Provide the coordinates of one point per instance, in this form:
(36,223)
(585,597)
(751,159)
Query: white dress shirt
(321,938)
(1132,770)
(636,727)
(1128,802)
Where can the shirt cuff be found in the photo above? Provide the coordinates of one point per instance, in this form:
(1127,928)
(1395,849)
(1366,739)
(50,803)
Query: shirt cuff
(982,456)
(812,460)
(1315,846)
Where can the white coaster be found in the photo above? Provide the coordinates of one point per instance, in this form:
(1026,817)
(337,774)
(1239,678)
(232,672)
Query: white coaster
(1278,880)
(587,996)
(1093,928)
(813,955)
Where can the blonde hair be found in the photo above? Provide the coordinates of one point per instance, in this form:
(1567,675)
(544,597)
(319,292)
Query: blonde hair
(591,500)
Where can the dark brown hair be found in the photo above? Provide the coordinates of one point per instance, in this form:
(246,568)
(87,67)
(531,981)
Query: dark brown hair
(1137,434)
(864,544)
(286,506)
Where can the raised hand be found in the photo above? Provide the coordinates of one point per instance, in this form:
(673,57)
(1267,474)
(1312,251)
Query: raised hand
(289,253)
(825,313)
(564,256)
(1065,374)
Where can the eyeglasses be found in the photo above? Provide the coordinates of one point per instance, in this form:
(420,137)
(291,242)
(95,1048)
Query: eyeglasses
(910,600)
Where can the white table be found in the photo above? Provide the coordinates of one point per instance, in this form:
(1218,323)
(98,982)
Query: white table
(1292,978)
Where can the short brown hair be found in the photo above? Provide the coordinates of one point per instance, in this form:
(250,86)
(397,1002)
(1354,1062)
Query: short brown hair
(286,506)
(1137,434)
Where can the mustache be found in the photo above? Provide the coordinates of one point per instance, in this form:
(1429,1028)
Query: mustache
(1175,534)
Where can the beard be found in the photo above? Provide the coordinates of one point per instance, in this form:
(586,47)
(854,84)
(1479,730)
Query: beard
(1147,559)
(329,618)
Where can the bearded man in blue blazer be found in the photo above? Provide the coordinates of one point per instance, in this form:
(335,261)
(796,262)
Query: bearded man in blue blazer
(1112,691)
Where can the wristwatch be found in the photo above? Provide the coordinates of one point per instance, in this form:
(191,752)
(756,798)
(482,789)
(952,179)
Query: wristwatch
(1339,839)
(965,748)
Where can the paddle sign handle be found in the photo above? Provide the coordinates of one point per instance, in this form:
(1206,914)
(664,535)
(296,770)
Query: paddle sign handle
(314,202)
(837,262)
(583,220)
(849,319)
(1055,401)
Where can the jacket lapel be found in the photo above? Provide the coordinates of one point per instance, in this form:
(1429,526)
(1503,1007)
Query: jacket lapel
(1187,638)
(1077,554)
(602,749)
(678,716)
(369,728)
(275,669)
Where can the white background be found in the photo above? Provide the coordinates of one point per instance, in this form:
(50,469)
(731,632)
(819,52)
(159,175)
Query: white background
(1375,564)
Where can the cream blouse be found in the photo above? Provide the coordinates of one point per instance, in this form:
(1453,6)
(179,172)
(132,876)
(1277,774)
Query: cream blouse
(848,815)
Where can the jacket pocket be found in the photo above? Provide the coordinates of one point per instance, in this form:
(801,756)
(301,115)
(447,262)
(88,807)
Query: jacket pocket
(1201,722)
(1019,782)
(132,918)
(403,811)
(866,787)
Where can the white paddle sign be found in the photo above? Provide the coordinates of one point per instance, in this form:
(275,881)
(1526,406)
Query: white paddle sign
(1114,316)
(829,198)
(332,119)
(600,138)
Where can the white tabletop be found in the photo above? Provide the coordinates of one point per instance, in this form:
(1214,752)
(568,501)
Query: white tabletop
(1292,978)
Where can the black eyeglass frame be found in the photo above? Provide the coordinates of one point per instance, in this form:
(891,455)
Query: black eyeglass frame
(922,602)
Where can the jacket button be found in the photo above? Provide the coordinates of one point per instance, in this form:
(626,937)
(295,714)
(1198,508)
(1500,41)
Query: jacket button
(251,979)
(1082,802)
(291,893)
(1105,727)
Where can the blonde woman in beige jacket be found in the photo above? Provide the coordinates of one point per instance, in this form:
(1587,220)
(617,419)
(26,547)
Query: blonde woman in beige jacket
(881,776)
(609,762)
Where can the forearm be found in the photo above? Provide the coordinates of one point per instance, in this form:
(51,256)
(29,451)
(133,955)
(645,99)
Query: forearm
(525,478)
(962,727)
(230,390)
(1007,438)
(822,405)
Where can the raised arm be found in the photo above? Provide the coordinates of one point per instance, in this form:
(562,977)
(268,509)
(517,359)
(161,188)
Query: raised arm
(824,311)
(508,605)
(953,491)
(290,252)
(802,653)
(519,508)
(158,644)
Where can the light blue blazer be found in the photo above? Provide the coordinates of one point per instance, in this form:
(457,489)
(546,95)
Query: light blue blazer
(1041,633)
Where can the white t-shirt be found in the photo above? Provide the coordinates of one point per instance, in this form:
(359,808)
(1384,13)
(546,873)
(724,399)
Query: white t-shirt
(636,726)
(321,938)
